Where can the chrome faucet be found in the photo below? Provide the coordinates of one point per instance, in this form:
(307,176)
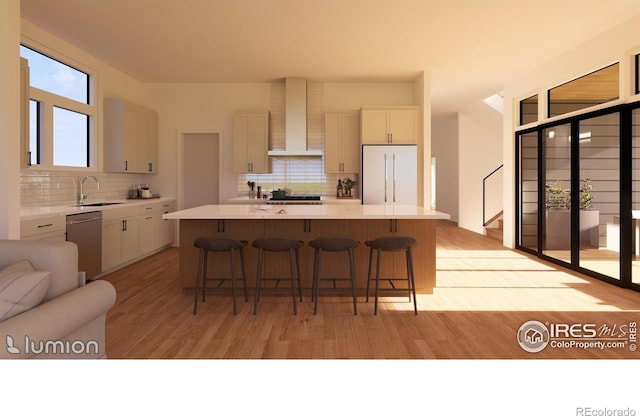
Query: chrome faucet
(82,195)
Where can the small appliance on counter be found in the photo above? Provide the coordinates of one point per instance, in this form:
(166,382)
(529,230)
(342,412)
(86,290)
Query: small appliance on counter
(141,191)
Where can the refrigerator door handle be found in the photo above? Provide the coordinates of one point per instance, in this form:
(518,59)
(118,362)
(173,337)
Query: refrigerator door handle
(386,179)
(394,178)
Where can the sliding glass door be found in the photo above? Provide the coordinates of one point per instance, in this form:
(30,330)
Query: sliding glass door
(635,196)
(528,197)
(557,179)
(599,194)
(579,193)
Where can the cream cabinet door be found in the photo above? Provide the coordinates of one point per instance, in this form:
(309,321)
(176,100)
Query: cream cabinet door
(130,137)
(251,142)
(111,246)
(374,127)
(342,143)
(403,126)
(131,238)
(332,143)
(392,125)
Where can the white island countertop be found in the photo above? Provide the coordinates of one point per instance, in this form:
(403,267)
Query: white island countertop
(329,211)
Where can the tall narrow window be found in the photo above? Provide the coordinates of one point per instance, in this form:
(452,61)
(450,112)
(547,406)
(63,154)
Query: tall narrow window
(61,107)
(529,110)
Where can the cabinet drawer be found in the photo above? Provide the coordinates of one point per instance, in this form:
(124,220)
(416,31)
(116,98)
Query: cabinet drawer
(120,212)
(43,226)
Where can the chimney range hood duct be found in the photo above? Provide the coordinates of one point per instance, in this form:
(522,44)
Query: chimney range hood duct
(295,120)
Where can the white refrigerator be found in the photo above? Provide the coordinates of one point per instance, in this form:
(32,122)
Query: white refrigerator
(389,174)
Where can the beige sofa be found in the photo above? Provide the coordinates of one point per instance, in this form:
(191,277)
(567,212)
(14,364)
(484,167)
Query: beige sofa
(69,321)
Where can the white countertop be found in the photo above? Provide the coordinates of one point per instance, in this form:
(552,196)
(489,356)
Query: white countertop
(323,199)
(328,211)
(31,213)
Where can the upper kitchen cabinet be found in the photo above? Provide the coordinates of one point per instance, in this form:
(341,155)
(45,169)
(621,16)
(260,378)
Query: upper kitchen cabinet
(130,137)
(25,151)
(389,125)
(342,142)
(251,141)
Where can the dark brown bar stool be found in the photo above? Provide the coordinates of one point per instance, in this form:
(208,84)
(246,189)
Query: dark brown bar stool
(278,245)
(333,245)
(206,244)
(398,243)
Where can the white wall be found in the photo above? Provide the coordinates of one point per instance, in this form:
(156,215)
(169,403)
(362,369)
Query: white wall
(9,119)
(617,44)
(479,153)
(444,147)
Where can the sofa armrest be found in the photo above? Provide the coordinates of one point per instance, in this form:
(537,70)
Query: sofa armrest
(71,325)
(58,257)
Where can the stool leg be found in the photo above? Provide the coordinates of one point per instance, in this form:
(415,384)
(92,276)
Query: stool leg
(244,274)
(375,307)
(316,279)
(369,272)
(198,274)
(352,271)
(412,279)
(205,266)
(292,265)
(258,272)
(298,272)
(233,282)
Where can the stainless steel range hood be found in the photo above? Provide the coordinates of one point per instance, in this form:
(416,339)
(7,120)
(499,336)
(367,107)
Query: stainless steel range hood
(295,120)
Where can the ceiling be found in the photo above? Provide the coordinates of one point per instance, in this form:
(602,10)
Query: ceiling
(469,48)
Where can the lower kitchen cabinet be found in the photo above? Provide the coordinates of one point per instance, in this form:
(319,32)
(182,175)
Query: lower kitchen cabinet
(48,228)
(132,232)
(120,237)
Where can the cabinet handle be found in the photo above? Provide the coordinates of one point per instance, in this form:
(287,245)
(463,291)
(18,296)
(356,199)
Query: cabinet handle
(45,225)
(124,225)
(150,167)
(29,158)
(126,165)
(148,218)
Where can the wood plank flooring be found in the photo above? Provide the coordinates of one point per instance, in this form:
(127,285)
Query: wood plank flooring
(484,293)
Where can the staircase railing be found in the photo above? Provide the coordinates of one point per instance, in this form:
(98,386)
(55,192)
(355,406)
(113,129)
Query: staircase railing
(492,196)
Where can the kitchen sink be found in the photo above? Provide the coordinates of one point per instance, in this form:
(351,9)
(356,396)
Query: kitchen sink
(98,204)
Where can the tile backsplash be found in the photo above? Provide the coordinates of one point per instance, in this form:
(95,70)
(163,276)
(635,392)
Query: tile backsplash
(51,188)
(299,174)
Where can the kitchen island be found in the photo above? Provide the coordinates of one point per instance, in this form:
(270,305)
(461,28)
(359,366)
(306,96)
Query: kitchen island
(305,223)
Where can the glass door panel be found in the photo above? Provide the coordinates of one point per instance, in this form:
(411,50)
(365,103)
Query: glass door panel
(635,187)
(529,191)
(599,202)
(557,179)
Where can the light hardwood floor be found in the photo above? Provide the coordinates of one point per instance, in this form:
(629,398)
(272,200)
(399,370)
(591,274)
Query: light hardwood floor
(484,293)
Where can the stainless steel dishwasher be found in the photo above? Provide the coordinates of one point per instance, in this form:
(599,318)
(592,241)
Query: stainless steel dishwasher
(85,230)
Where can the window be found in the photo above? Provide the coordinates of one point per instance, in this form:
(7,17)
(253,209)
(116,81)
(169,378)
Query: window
(529,110)
(61,113)
(592,89)
(638,74)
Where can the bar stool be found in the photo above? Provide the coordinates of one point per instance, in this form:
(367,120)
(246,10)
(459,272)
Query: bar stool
(278,245)
(333,245)
(207,244)
(396,243)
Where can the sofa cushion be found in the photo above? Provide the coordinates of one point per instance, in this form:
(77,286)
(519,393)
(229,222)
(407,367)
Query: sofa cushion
(21,288)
